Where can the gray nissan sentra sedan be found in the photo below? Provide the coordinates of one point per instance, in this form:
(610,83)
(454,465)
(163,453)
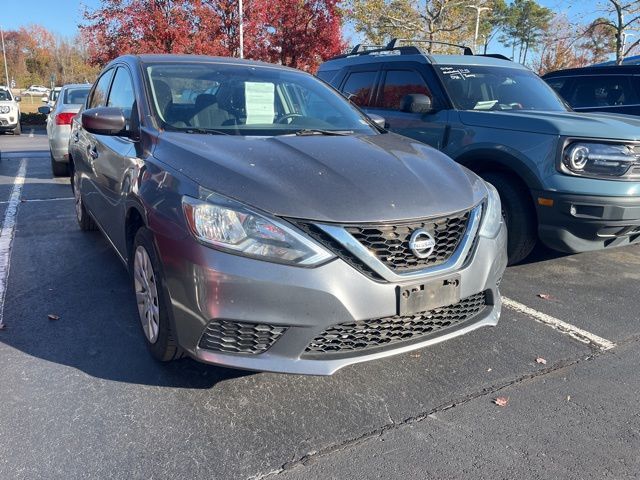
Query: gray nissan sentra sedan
(268,224)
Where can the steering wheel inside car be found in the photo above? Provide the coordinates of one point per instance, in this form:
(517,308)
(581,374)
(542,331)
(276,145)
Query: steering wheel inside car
(289,116)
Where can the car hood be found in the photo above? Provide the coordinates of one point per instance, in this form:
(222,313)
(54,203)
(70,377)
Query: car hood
(326,178)
(572,124)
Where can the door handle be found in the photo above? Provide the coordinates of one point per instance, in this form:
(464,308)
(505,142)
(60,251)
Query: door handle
(92,151)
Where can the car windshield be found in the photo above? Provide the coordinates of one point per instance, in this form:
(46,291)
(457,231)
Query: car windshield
(5,95)
(248,100)
(472,87)
(75,95)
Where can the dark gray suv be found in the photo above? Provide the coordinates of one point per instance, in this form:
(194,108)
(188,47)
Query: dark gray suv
(570,179)
(268,224)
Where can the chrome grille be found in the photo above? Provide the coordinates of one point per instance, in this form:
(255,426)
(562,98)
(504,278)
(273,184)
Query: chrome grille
(236,337)
(361,335)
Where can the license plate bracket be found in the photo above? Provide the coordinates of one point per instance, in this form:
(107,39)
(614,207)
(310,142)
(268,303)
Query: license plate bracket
(421,297)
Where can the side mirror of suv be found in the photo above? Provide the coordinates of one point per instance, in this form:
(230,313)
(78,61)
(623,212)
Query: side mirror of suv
(105,121)
(45,110)
(416,103)
(378,120)
(17,98)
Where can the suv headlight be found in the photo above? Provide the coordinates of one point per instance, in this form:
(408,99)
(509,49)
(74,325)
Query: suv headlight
(598,159)
(5,109)
(492,220)
(230,226)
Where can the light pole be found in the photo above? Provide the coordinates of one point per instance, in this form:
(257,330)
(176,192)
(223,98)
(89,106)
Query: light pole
(4,56)
(478,10)
(241,28)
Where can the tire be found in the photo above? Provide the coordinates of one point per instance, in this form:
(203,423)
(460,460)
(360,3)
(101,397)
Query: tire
(59,169)
(18,129)
(151,300)
(518,214)
(85,222)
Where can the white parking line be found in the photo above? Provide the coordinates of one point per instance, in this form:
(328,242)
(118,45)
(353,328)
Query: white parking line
(7,232)
(29,200)
(564,327)
(31,132)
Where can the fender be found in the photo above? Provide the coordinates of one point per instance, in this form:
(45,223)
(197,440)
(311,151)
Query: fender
(499,158)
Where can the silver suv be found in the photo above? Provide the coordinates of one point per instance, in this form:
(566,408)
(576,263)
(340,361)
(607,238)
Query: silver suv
(9,112)
(268,224)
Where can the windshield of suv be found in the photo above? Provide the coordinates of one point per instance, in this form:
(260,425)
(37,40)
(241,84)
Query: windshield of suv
(5,95)
(248,100)
(75,95)
(472,87)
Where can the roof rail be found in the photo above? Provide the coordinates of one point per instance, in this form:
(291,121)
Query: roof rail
(394,43)
(358,50)
(361,47)
(494,55)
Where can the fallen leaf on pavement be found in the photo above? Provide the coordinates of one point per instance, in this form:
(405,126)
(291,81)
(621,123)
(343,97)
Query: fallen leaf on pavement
(501,401)
(414,355)
(489,369)
(541,360)
(545,296)
(51,316)
(568,398)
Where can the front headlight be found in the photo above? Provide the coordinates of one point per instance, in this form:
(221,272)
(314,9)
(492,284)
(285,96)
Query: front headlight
(228,225)
(492,220)
(598,159)
(5,109)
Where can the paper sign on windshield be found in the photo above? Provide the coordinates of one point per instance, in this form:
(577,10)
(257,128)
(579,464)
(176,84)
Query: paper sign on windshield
(259,98)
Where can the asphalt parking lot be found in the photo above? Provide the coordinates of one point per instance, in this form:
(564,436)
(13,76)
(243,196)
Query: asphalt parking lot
(81,398)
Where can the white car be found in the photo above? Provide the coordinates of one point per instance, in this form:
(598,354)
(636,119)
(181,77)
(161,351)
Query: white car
(53,96)
(9,112)
(36,90)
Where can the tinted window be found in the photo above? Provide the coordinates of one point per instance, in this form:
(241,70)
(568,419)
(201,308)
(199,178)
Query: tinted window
(360,85)
(399,83)
(75,95)
(327,75)
(121,94)
(601,91)
(5,95)
(557,83)
(99,97)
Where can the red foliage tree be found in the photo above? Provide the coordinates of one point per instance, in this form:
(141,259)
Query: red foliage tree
(298,33)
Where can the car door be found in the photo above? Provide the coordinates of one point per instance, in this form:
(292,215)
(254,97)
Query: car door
(110,158)
(399,79)
(83,144)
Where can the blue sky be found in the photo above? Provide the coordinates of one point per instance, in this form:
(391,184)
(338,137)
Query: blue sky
(63,16)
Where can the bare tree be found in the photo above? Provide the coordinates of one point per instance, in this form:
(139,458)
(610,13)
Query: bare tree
(623,17)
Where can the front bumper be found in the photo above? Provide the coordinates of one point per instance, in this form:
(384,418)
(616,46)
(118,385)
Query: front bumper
(579,223)
(206,284)
(8,121)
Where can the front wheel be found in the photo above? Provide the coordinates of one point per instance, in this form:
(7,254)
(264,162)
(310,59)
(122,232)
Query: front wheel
(518,214)
(150,298)
(18,129)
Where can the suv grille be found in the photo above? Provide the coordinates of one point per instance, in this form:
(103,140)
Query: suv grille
(360,335)
(390,243)
(235,337)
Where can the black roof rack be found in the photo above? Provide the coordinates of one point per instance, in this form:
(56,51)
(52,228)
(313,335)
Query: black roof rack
(394,43)
(361,47)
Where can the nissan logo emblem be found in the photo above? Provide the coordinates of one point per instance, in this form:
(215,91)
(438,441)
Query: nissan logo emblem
(422,243)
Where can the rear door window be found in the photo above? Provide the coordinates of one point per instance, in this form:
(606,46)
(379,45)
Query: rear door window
(399,83)
(359,86)
(601,91)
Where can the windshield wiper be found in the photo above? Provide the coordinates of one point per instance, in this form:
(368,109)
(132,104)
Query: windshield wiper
(211,131)
(319,131)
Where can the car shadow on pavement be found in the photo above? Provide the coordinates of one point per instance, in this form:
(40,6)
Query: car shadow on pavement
(77,278)
(541,253)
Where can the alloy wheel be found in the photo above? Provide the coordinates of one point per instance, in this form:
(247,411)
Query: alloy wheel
(146,294)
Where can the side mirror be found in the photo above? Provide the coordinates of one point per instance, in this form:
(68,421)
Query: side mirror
(416,103)
(17,98)
(46,110)
(378,120)
(105,121)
